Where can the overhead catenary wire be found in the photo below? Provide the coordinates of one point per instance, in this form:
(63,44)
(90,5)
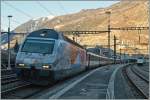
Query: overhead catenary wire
(47,10)
(4,28)
(62,7)
(20,11)
(14,20)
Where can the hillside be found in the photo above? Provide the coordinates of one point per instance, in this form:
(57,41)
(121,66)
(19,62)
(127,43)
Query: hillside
(123,14)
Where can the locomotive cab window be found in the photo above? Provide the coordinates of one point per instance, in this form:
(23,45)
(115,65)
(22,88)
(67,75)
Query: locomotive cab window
(38,46)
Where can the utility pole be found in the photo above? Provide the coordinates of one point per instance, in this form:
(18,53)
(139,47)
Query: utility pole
(9,53)
(120,54)
(149,28)
(114,49)
(108,13)
(139,31)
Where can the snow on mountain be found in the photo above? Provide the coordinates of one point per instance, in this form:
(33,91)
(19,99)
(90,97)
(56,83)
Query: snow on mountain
(44,18)
(34,24)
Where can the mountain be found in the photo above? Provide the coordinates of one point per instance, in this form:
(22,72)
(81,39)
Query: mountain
(123,14)
(33,24)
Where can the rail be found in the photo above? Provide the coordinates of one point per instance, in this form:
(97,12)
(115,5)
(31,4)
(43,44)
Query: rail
(137,83)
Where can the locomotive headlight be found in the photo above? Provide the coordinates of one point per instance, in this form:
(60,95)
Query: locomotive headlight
(21,65)
(45,66)
(2,47)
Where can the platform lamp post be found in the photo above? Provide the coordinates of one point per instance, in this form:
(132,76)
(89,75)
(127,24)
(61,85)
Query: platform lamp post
(109,14)
(9,53)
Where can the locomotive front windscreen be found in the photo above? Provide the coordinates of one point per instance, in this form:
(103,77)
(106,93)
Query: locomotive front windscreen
(38,46)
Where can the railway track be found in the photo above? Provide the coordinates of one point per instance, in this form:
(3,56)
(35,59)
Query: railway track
(7,72)
(32,91)
(9,82)
(137,82)
(13,88)
(22,91)
(7,94)
(145,68)
(8,76)
(8,79)
(142,74)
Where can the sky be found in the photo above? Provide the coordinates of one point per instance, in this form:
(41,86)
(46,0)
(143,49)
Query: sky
(23,11)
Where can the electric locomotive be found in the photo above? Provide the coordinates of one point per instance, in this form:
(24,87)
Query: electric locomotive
(47,55)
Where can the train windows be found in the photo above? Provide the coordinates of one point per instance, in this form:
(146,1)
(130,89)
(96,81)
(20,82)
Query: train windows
(94,58)
(38,46)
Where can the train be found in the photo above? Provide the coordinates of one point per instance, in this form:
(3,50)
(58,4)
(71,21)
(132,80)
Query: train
(140,61)
(47,56)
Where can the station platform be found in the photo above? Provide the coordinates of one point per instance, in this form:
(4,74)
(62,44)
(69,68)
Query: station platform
(95,85)
(106,82)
